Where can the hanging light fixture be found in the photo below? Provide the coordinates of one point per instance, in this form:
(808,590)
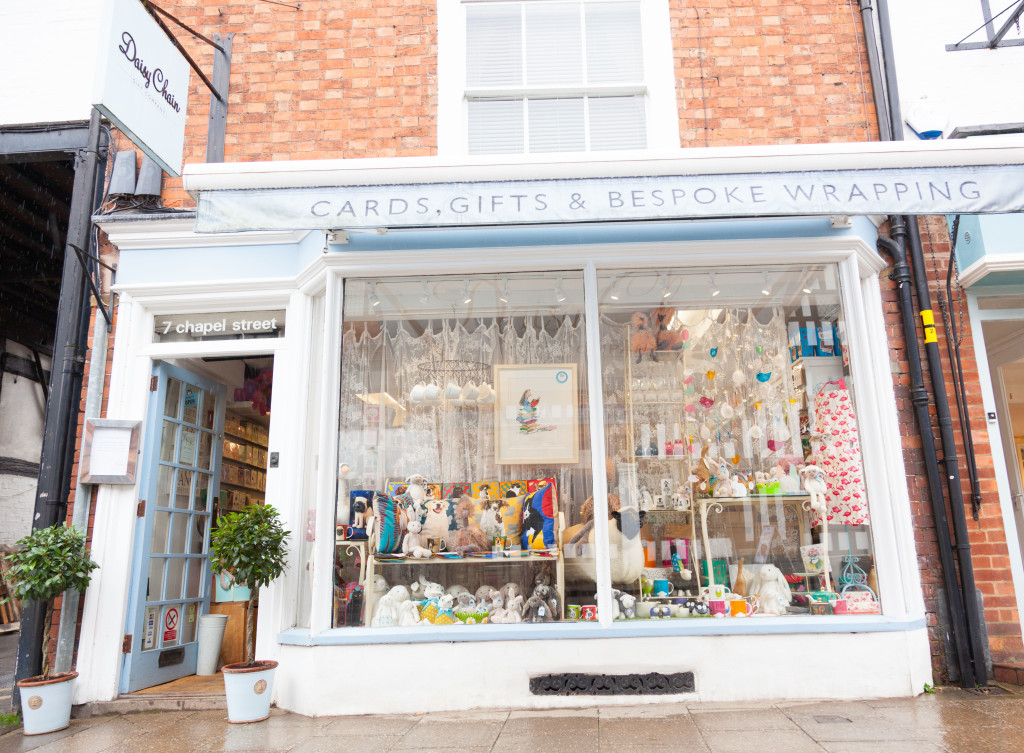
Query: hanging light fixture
(665,292)
(506,294)
(766,289)
(559,293)
(374,298)
(466,297)
(425,298)
(715,290)
(616,293)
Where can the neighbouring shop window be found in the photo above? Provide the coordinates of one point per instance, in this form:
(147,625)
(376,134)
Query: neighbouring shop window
(464,458)
(728,399)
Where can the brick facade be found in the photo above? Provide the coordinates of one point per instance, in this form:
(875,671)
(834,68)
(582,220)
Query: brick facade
(359,79)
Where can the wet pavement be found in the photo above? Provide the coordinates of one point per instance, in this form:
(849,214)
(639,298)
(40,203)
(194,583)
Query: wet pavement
(950,721)
(8,658)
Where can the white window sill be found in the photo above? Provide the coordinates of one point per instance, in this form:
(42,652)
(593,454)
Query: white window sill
(354,636)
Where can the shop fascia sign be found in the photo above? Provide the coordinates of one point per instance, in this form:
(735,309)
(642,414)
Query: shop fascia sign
(940,190)
(142,83)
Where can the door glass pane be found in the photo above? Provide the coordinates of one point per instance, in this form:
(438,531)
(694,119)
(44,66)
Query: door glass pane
(175,578)
(191,412)
(168,441)
(209,409)
(170,625)
(179,533)
(205,449)
(189,440)
(161,520)
(183,490)
(163,486)
(156,578)
(188,622)
(200,500)
(173,398)
(193,585)
(198,541)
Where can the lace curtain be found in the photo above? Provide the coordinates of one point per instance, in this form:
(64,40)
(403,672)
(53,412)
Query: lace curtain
(448,443)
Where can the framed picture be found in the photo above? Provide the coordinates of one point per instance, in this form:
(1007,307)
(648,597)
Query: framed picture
(110,451)
(536,417)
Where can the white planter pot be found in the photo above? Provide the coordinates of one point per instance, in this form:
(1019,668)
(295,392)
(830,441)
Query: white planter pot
(46,704)
(249,690)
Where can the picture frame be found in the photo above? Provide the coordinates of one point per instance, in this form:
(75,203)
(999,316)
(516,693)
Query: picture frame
(110,451)
(536,417)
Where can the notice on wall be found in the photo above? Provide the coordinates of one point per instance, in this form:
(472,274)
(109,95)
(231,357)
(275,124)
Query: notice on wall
(110,451)
(171,618)
(149,628)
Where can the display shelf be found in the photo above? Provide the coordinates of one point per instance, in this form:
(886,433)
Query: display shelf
(242,488)
(502,560)
(246,440)
(234,461)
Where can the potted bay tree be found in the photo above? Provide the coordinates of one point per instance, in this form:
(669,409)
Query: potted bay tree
(47,563)
(251,546)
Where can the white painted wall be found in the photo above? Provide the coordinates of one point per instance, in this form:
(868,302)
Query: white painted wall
(22,410)
(338,680)
(48,51)
(972,87)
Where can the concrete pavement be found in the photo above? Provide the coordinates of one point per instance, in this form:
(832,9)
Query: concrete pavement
(950,721)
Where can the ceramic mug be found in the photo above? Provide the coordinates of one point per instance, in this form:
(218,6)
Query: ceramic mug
(469,392)
(574,611)
(739,608)
(717,590)
(431,393)
(418,393)
(487,395)
(662,588)
(589,612)
(452,391)
(718,607)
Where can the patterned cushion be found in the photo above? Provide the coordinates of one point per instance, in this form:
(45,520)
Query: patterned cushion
(389,512)
(539,518)
(511,515)
(439,519)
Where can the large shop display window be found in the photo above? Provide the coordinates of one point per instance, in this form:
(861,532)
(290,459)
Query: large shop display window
(731,433)
(463,460)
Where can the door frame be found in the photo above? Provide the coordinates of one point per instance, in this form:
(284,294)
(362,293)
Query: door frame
(134,352)
(989,376)
(134,659)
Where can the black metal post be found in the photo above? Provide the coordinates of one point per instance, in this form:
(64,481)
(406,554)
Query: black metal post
(62,405)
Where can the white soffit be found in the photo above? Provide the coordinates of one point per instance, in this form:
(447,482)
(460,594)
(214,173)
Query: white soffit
(788,158)
(144,234)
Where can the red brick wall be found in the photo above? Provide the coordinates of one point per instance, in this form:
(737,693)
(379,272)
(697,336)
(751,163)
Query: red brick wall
(771,72)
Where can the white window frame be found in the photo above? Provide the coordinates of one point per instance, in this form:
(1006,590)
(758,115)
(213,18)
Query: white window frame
(661,108)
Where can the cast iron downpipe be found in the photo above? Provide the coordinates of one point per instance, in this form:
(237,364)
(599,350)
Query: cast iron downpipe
(968,637)
(62,405)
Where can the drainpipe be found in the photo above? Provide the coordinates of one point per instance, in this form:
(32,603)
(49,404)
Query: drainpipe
(906,233)
(877,86)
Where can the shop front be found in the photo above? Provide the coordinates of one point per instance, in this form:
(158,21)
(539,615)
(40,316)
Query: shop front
(533,460)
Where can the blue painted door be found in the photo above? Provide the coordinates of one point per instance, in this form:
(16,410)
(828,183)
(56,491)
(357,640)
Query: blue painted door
(170,569)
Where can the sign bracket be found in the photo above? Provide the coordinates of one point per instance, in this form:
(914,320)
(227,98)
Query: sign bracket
(154,10)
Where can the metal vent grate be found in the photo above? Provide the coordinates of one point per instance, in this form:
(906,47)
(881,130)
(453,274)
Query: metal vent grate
(654,683)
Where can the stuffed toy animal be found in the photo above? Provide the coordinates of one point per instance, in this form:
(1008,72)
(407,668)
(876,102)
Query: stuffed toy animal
(416,489)
(359,512)
(705,470)
(426,589)
(550,597)
(642,340)
(625,606)
(466,538)
(456,589)
(445,614)
(514,612)
(465,602)
(537,611)
(625,549)
(509,591)
(577,533)
(724,486)
(380,586)
(386,614)
(487,595)
(771,590)
(399,595)
(408,614)
(666,339)
(414,544)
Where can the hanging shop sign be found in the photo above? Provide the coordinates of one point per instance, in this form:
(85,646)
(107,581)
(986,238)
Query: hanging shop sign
(142,83)
(941,190)
(230,325)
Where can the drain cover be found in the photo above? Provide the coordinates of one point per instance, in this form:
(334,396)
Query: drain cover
(832,720)
(988,690)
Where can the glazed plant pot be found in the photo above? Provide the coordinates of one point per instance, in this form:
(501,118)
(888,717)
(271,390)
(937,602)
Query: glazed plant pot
(46,704)
(249,690)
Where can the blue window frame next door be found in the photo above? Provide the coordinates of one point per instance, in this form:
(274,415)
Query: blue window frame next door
(170,571)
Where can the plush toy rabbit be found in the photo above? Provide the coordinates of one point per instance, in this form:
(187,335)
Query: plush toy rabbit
(771,590)
(414,544)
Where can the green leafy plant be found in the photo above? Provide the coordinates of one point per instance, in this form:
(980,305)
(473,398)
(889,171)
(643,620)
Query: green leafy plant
(928,688)
(9,720)
(47,563)
(251,546)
